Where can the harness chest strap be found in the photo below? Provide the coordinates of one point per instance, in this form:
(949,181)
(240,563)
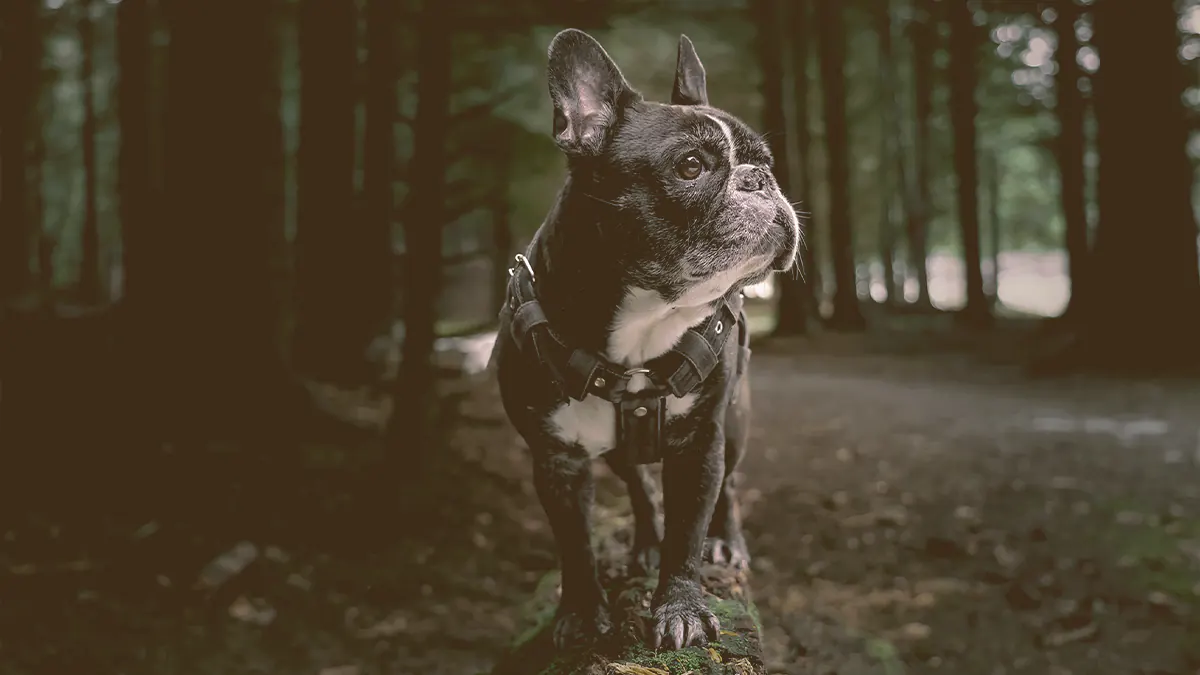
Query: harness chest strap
(578,373)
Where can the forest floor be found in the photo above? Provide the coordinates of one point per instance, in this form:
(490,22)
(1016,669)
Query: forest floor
(914,504)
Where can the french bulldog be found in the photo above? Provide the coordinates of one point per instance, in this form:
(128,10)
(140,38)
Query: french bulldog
(622,335)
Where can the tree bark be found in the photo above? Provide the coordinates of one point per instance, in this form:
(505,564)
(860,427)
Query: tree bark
(377,254)
(326,262)
(964,78)
(994,178)
(1070,108)
(796,290)
(133,162)
(214,303)
(831,47)
(889,152)
(923,32)
(20,40)
(413,422)
(1143,267)
(90,283)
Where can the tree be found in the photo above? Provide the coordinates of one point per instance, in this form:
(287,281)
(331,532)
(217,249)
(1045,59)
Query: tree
(413,420)
(1143,267)
(1070,108)
(20,40)
(964,108)
(831,50)
(796,289)
(134,187)
(90,284)
(375,292)
(213,305)
(326,278)
(766,16)
(923,33)
(889,152)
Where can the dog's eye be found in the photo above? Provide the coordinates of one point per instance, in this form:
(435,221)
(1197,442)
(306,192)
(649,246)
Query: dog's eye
(689,168)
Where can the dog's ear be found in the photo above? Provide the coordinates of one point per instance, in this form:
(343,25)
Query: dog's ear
(690,88)
(587,90)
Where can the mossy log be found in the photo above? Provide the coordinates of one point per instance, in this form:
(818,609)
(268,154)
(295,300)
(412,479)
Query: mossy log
(626,651)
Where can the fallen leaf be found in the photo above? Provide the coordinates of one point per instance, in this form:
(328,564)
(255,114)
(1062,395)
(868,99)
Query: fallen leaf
(634,669)
(715,655)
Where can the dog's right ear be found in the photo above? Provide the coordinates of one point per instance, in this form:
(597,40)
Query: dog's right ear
(587,89)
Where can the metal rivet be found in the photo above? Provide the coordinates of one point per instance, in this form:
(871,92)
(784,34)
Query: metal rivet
(720,327)
(640,411)
(599,382)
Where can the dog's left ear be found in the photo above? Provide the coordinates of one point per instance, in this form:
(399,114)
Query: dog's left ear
(690,88)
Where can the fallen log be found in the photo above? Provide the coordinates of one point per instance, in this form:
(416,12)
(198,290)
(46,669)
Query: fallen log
(626,651)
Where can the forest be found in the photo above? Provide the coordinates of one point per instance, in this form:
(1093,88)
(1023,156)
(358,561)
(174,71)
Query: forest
(252,257)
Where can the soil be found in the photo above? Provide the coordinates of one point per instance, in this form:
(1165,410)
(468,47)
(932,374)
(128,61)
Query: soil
(914,504)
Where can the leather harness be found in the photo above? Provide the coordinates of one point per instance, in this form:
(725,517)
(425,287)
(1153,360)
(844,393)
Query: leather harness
(577,373)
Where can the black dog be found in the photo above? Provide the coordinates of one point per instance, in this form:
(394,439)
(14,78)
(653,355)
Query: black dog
(623,335)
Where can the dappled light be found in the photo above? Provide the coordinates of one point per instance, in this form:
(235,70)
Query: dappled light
(723,337)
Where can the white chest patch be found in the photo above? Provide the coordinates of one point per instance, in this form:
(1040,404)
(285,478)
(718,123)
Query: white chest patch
(644,327)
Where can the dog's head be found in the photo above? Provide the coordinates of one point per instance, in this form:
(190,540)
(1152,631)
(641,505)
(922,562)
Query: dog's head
(683,191)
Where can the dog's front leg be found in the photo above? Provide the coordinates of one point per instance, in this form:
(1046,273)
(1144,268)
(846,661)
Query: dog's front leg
(691,482)
(565,487)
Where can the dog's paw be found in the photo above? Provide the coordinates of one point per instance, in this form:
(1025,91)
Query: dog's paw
(574,627)
(731,552)
(682,618)
(644,559)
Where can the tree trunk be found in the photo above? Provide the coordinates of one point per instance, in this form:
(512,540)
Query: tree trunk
(377,292)
(1143,267)
(214,304)
(889,151)
(502,234)
(90,285)
(797,289)
(20,40)
(1071,150)
(994,178)
(327,286)
(413,422)
(924,42)
(831,47)
(964,78)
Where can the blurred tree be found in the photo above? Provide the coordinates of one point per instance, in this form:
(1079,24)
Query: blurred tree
(965,40)
(767,17)
(995,224)
(831,49)
(375,247)
(798,21)
(1070,109)
(890,156)
(20,41)
(90,283)
(213,308)
(413,422)
(923,34)
(327,333)
(1143,268)
(134,187)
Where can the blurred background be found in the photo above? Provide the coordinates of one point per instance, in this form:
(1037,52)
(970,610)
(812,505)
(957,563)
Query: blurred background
(251,254)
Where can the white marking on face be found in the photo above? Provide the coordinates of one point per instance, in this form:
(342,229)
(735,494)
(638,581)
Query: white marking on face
(728,138)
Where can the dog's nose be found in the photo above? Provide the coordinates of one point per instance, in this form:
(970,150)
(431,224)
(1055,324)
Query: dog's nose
(750,178)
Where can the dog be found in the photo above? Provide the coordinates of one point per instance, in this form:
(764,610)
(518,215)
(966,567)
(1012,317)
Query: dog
(623,335)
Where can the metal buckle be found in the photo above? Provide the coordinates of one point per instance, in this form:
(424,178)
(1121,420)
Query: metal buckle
(520,258)
(636,371)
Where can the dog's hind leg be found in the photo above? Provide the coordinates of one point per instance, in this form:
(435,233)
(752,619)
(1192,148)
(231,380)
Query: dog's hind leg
(726,544)
(565,487)
(647,512)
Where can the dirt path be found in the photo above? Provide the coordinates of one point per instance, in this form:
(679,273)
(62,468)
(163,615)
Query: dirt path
(908,513)
(929,515)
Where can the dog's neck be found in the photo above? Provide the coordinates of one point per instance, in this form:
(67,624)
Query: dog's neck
(585,295)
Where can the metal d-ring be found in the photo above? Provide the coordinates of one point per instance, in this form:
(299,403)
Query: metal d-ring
(636,371)
(524,261)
